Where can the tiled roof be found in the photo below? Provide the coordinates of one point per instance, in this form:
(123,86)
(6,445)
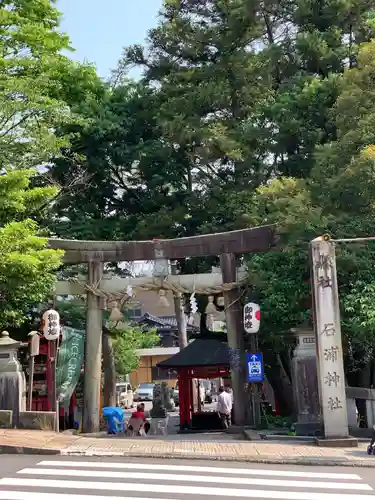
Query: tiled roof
(165,321)
(154,319)
(200,352)
(171,320)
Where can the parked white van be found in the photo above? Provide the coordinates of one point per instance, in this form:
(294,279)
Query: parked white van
(124,395)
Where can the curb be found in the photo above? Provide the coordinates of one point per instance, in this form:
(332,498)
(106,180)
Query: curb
(26,450)
(328,462)
(301,461)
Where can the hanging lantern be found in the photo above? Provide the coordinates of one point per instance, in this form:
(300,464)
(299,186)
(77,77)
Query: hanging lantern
(220,301)
(116,315)
(163,301)
(211,308)
(51,324)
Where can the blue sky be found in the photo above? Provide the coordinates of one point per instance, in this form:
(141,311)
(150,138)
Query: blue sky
(99,30)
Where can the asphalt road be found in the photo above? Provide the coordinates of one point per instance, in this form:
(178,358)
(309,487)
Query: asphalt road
(74,478)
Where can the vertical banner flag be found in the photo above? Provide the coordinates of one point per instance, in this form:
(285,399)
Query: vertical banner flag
(69,363)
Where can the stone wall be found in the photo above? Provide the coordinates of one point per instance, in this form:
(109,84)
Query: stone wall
(6,417)
(37,420)
(368,395)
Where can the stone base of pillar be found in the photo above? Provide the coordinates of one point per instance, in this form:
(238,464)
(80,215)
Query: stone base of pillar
(349,442)
(308,429)
(252,435)
(235,429)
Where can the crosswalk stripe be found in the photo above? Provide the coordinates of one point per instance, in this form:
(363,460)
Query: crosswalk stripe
(182,489)
(36,495)
(199,479)
(191,468)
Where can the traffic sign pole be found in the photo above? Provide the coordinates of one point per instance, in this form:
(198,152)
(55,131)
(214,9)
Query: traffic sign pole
(251,323)
(254,385)
(255,392)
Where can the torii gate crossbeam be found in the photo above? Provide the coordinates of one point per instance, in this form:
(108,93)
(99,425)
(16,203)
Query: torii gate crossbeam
(257,239)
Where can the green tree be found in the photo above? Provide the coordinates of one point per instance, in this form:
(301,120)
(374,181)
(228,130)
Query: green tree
(234,93)
(246,88)
(27,267)
(40,90)
(126,342)
(119,354)
(336,199)
(39,87)
(29,56)
(212,85)
(138,187)
(72,312)
(349,194)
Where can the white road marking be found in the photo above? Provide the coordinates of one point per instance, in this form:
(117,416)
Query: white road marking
(194,468)
(36,495)
(182,490)
(148,476)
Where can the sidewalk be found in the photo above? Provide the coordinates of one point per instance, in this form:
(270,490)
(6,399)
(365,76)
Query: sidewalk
(50,443)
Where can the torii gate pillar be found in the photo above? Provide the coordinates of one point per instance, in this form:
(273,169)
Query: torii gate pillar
(93,352)
(235,333)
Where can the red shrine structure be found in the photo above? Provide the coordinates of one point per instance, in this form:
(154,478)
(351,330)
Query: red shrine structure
(43,375)
(201,359)
(43,384)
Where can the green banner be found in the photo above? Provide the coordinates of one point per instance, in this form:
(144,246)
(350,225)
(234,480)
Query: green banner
(69,363)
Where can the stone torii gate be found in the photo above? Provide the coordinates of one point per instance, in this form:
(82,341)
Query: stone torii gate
(96,253)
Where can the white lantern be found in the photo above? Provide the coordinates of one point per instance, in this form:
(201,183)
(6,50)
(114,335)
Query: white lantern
(251,317)
(51,324)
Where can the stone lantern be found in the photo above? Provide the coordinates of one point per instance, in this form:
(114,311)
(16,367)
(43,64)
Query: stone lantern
(305,383)
(12,378)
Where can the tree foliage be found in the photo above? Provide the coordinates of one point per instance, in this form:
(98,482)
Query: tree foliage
(126,342)
(135,177)
(234,93)
(247,113)
(336,199)
(36,83)
(246,88)
(27,267)
(40,90)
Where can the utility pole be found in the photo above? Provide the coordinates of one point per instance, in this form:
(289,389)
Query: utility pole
(180,313)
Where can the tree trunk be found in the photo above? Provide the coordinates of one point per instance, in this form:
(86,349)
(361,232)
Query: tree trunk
(287,385)
(281,384)
(109,369)
(365,375)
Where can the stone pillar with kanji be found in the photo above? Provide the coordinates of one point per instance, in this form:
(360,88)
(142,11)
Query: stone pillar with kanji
(330,360)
